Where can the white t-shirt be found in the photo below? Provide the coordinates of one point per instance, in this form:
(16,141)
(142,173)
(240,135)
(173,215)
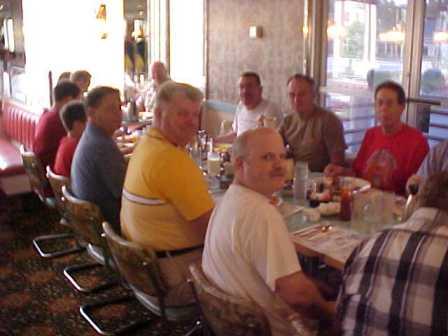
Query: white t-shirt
(248,119)
(247,247)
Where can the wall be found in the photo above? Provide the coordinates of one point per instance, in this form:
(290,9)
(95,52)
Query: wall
(12,63)
(64,35)
(275,56)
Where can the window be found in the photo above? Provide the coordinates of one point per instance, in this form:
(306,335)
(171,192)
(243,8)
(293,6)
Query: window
(433,119)
(368,42)
(364,48)
(187,42)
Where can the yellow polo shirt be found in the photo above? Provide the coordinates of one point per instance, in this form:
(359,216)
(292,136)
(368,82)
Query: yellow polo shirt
(164,189)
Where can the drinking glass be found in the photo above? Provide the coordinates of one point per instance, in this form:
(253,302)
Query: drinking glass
(213,164)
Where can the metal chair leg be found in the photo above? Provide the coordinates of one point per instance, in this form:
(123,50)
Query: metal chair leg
(87,309)
(60,253)
(198,328)
(71,270)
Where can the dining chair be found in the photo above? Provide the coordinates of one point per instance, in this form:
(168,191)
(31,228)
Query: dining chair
(36,174)
(85,218)
(225,314)
(57,182)
(140,268)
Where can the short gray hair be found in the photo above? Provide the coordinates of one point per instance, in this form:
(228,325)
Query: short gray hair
(434,192)
(170,89)
(80,75)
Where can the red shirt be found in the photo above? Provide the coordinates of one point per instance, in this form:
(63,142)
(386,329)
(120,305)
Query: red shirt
(64,156)
(387,161)
(49,132)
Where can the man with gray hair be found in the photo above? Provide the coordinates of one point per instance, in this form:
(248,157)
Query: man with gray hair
(248,252)
(396,282)
(314,134)
(166,204)
(159,75)
(82,79)
(435,161)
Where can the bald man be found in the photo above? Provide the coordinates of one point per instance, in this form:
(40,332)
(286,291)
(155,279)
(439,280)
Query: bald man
(159,75)
(248,252)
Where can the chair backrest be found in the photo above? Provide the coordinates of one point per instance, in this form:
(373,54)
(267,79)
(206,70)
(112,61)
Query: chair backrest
(84,217)
(225,314)
(35,172)
(138,266)
(57,182)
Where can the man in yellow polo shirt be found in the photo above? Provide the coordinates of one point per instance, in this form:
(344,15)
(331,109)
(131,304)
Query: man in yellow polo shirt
(166,204)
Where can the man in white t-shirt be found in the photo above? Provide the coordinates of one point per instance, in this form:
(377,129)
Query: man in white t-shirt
(248,252)
(252,111)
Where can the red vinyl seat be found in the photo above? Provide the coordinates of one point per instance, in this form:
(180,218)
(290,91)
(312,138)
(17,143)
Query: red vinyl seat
(17,127)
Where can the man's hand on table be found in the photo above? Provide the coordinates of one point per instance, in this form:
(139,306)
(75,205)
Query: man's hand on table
(333,170)
(413,183)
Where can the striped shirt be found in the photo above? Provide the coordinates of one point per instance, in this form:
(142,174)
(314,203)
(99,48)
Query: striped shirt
(396,283)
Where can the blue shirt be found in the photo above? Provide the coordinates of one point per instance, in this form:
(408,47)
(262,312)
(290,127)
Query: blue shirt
(97,173)
(436,161)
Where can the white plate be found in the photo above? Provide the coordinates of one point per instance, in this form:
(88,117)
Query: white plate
(356,182)
(329,208)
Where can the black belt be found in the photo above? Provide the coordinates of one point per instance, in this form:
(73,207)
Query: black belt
(166,254)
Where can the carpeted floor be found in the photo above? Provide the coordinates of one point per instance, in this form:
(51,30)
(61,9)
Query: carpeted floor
(35,297)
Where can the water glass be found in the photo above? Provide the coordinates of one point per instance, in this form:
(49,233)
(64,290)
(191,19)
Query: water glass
(300,180)
(270,122)
(213,163)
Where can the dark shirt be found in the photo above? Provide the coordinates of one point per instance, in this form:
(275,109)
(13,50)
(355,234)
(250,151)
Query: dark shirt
(98,171)
(49,132)
(314,140)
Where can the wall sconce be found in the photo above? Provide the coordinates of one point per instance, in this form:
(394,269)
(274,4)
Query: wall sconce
(255,32)
(101,17)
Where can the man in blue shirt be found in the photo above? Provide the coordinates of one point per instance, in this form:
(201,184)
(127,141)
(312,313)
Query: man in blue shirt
(98,168)
(435,161)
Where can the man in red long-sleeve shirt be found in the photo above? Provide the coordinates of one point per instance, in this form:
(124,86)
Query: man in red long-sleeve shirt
(49,130)
(74,118)
(392,151)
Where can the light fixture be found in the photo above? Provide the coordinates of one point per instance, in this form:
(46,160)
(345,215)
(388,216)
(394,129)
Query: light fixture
(255,32)
(305,30)
(101,17)
(440,37)
(396,35)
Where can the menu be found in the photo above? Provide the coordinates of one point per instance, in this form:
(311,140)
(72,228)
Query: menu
(333,244)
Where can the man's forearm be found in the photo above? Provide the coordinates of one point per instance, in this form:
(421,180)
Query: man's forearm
(200,224)
(338,158)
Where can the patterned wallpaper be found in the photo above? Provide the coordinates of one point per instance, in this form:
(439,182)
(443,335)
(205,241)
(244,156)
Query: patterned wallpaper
(275,56)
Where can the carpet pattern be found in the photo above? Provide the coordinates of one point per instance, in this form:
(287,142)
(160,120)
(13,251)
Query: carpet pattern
(35,297)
